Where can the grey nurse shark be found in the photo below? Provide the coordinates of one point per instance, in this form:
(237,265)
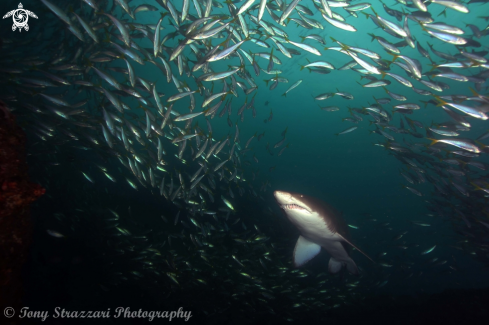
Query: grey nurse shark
(319,226)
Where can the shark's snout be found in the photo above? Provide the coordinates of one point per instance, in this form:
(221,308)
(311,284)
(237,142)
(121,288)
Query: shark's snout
(288,201)
(282,197)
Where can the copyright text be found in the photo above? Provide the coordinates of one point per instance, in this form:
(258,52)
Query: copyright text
(119,312)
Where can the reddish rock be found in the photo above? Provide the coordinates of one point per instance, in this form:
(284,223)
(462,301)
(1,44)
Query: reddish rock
(16,195)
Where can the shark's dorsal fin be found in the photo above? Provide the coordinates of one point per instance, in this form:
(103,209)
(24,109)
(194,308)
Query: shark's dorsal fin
(358,249)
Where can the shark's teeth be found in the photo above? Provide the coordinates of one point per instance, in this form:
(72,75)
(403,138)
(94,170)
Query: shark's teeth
(293,207)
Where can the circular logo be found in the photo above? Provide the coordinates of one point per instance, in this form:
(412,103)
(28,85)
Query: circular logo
(20,18)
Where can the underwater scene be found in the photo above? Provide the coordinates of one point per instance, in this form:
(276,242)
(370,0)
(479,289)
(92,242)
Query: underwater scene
(244,161)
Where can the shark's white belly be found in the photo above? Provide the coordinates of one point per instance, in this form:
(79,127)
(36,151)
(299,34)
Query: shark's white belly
(314,228)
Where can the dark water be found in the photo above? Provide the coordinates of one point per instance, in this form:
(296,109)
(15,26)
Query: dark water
(95,267)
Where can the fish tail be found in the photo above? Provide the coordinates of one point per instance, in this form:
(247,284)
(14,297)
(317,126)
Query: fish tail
(433,66)
(433,141)
(374,10)
(394,56)
(480,143)
(421,25)
(477,187)
(284,94)
(474,92)
(441,101)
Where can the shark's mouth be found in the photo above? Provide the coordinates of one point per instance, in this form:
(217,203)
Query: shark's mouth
(293,207)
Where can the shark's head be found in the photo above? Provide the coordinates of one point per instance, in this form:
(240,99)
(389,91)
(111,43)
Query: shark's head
(289,201)
(302,208)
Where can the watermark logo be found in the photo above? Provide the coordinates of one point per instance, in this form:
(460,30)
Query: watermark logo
(120,312)
(20,17)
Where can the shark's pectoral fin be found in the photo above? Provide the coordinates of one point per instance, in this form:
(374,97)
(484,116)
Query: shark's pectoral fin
(358,249)
(304,251)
